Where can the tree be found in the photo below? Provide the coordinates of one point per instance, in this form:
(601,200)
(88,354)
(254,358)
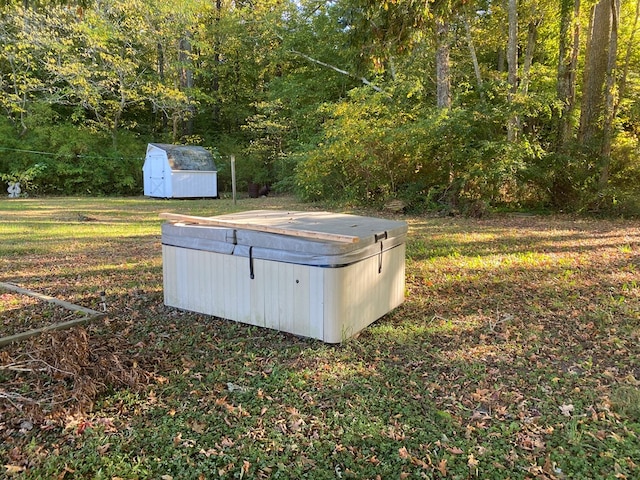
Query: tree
(22,80)
(599,97)
(595,70)
(512,62)
(443,65)
(472,52)
(610,94)
(568,48)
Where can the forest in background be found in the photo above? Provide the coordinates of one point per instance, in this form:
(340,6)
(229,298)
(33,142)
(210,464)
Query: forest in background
(456,105)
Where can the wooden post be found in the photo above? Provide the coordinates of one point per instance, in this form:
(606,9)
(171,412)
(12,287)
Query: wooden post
(233,177)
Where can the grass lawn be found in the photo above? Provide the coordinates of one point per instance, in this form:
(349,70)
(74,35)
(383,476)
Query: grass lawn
(515,355)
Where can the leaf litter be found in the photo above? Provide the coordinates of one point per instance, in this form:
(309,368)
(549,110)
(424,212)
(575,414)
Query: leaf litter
(515,355)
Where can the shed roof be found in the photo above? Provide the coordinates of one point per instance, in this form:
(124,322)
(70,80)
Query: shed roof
(188,157)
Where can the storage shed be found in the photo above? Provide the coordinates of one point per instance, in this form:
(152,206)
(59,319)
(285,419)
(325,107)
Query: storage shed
(179,171)
(317,274)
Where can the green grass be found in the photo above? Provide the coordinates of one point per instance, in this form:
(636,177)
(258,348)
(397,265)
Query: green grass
(515,355)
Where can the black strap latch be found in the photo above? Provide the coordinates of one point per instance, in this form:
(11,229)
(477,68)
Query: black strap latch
(251,275)
(379,237)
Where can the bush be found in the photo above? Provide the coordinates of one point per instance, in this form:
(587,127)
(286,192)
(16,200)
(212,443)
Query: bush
(373,150)
(370,149)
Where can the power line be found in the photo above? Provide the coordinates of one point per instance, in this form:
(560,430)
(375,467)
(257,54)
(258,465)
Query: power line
(68,155)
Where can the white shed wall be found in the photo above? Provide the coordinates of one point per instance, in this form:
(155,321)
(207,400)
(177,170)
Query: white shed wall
(194,184)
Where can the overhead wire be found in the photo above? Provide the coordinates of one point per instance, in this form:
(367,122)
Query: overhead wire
(68,155)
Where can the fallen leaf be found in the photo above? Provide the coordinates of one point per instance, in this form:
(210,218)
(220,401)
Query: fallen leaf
(66,470)
(296,425)
(13,469)
(567,410)
(102,449)
(616,437)
(404,454)
(442,467)
(198,427)
(455,450)
(226,442)
(82,426)
(207,453)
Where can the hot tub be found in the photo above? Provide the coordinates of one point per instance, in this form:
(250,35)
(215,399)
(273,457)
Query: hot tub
(316,274)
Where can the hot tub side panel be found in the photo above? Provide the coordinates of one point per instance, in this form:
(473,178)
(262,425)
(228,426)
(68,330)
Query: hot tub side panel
(281,296)
(206,282)
(288,297)
(359,294)
(329,304)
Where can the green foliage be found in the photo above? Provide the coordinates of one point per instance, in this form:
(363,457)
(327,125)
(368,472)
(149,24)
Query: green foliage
(365,153)
(333,100)
(625,399)
(373,150)
(29,179)
(64,159)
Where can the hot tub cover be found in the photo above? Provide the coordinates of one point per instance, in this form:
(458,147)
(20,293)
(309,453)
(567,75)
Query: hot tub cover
(373,236)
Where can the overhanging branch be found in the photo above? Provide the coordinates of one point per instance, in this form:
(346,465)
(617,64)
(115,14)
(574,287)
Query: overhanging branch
(339,70)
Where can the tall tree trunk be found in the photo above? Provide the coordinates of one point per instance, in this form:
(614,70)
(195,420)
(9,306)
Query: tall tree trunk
(532,38)
(595,72)
(501,54)
(610,94)
(627,58)
(443,71)
(512,62)
(186,81)
(569,46)
(161,76)
(215,87)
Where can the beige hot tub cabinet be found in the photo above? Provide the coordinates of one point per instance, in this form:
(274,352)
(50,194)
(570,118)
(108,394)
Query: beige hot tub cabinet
(316,274)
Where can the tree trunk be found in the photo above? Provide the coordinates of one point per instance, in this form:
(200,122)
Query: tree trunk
(627,58)
(215,87)
(610,94)
(161,76)
(443,72)
(569,45)
(595,72)
(512,63)
(186,81)
(532,38)
(501,54)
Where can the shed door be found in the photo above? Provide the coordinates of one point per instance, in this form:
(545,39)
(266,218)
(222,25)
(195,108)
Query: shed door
(156,176)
